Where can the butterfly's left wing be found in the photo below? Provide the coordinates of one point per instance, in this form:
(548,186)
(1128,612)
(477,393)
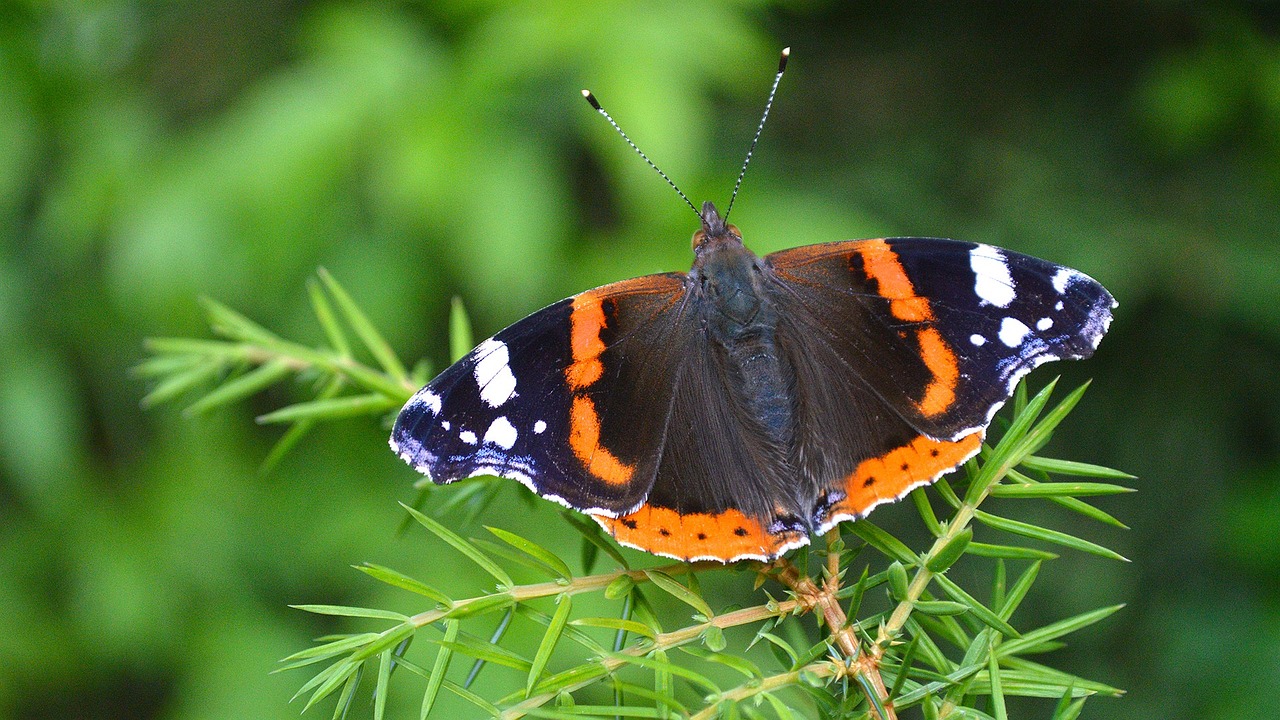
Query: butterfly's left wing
(571,400)
(905,348)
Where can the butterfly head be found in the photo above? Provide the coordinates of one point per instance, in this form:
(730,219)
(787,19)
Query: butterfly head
(715,231)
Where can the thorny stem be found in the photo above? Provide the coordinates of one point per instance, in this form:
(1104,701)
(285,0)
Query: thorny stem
(823,599)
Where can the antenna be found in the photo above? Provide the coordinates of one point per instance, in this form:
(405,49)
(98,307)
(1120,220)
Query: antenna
(595,104)
(782,67)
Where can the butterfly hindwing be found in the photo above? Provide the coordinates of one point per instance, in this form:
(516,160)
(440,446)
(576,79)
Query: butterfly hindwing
(569,401)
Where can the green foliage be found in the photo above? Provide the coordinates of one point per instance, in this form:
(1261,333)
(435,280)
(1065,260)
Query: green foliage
(930,641)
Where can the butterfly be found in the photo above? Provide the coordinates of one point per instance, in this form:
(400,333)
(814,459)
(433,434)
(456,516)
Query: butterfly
(731,412)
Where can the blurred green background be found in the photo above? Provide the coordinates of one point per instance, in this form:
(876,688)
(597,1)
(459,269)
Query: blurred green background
(155,152)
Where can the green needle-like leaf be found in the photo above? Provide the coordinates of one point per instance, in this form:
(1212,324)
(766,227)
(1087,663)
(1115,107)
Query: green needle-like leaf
(548,644)
(241,387)
(1058,489)
(443,656)
(462,545)
(460,338)
(883,541)
(383,682)
(328,321)
(1070,467)
(1029,641)
(345,611)
(332,409)
(1053,536)
(368,334)
(680,592)
(404,582)
(533,550)
(980,611)
(997,693)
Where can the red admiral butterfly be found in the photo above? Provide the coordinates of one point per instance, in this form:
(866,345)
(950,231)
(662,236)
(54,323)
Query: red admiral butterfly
(730,412)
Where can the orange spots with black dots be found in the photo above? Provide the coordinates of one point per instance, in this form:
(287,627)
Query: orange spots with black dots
(587,320)
(725,536)
(881,263)
(584,439)
(889,476)
(941,361)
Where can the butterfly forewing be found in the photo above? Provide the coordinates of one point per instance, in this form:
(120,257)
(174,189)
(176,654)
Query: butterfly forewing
(569,401)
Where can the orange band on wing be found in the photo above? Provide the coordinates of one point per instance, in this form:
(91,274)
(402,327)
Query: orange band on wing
(881,264)
(587,320)
(889,476)
(941,361)
(584,438)
(724,536)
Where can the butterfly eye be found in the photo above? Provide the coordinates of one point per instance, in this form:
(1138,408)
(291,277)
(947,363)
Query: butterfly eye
(698,238)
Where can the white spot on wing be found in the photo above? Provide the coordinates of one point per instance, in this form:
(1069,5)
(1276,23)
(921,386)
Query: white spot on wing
(992,281)
(1058,306)
(1044,324)
(538,427)
(445,424)
(501,433)
(493,372)
(1062,278)
(430,399)
(977,340)
(468,437)
(1012,331)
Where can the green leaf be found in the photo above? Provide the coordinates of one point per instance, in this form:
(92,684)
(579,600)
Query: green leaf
(368,334)
(480,605)
(548,644)
(231,324)
(460,338)
(404,582)
(997,693)
(729,660)
(610,623)
(921,500)
(1053,631)
(898,581)
(328,321)
(1009,552)
(345,611)
(1058,489)
(300,428)
(680,592)
(179,383)
(241,387)
(661,664)
(380,688)
(1070,467)
(475,647)
(940,607)
(332,408)
(461,545)
(620,587)
(883,541)
(1053,536)
(337,674)
(1013,597)
(980,611)
(595,536)
(948,554)
(317,653)
(533,550)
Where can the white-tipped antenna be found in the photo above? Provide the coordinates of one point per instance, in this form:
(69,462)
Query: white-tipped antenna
(782,67)
(595,104)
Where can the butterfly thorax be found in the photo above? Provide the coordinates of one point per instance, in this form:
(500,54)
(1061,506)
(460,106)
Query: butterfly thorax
(741,323)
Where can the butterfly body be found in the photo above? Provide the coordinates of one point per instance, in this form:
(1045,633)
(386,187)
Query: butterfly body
(732,411)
